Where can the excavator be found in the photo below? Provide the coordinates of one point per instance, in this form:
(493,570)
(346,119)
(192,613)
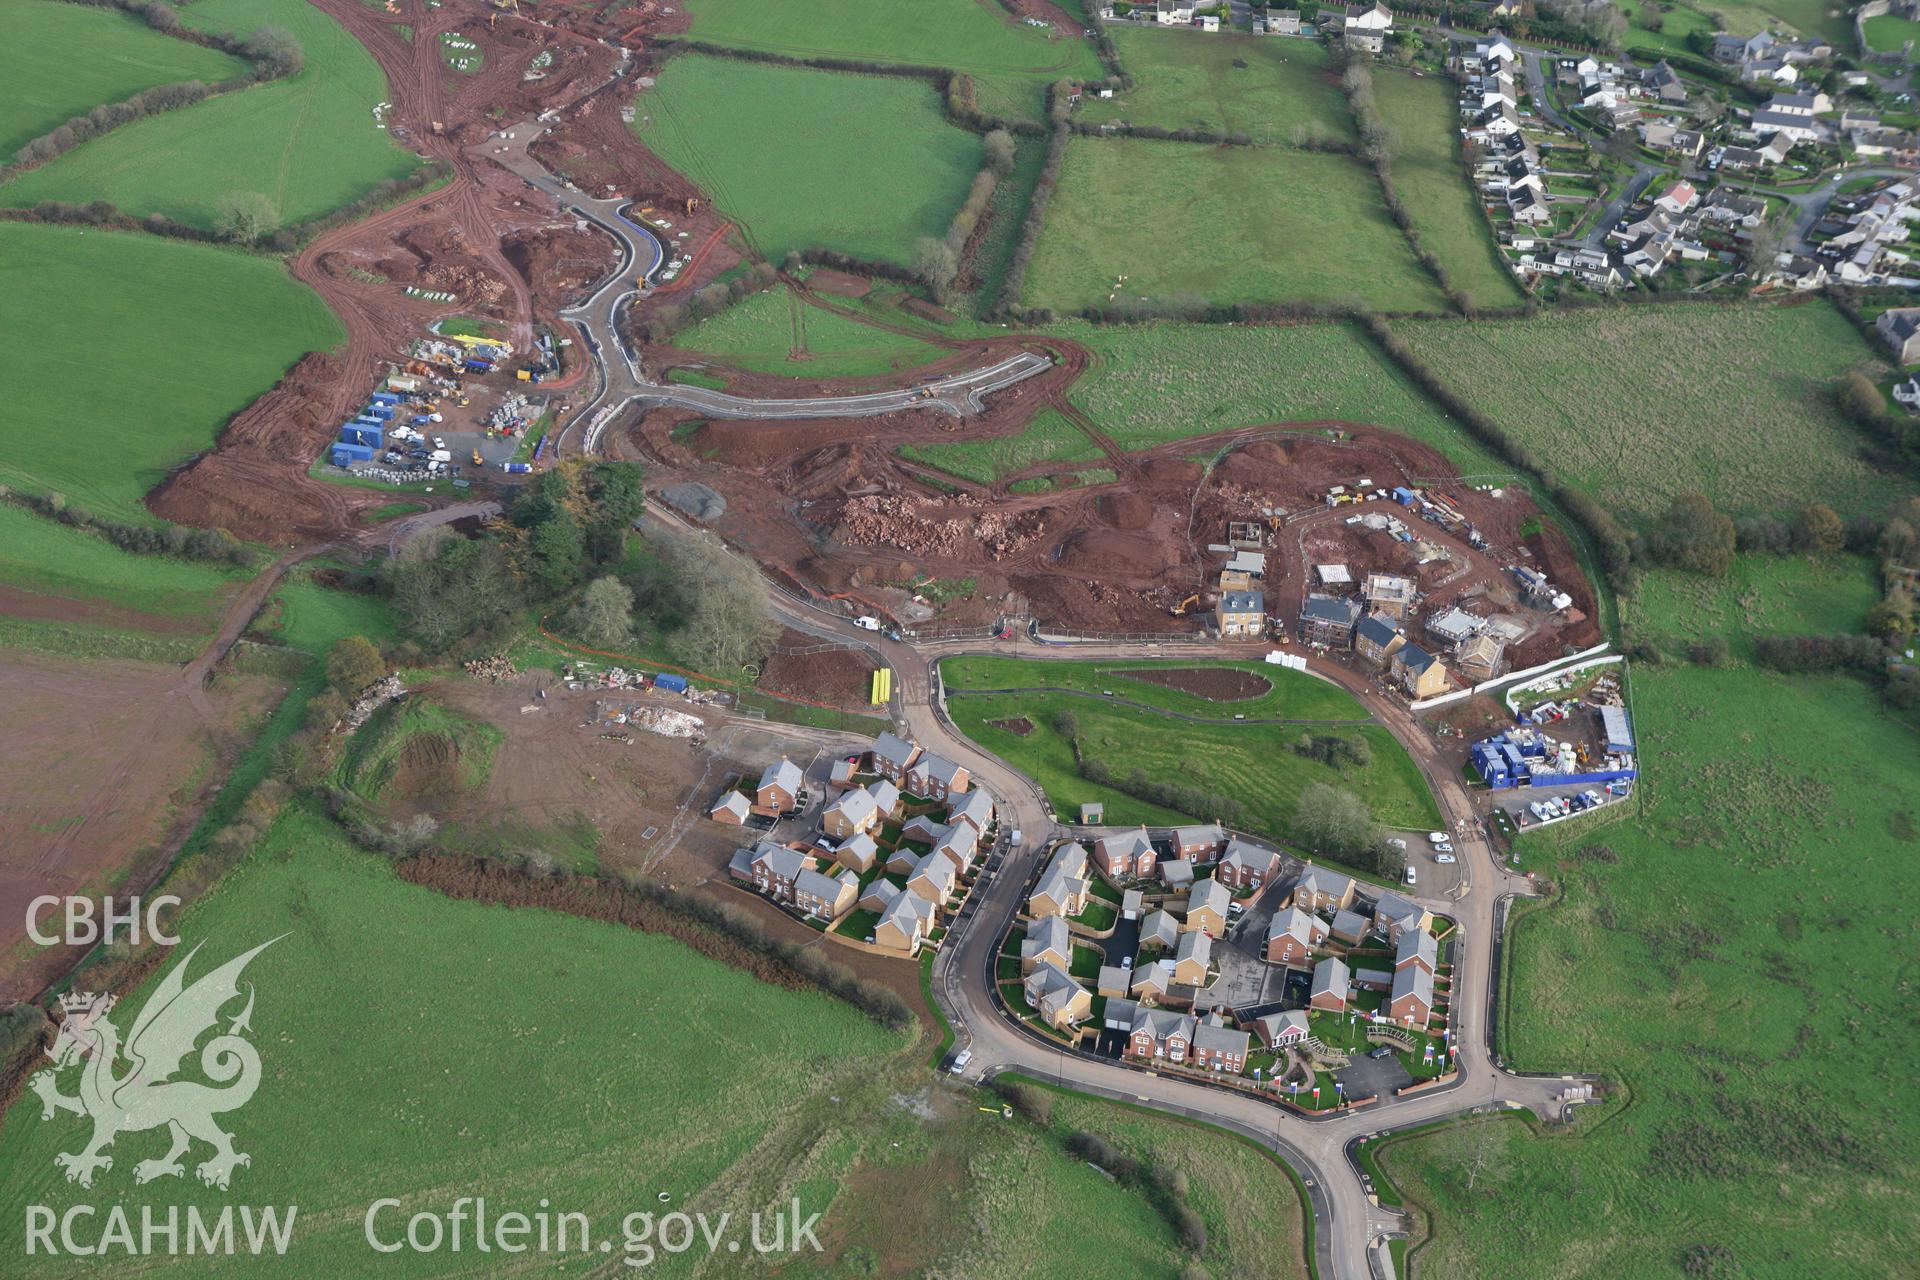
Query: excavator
(1180,610)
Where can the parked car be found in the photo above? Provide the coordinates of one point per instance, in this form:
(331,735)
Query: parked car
(1380,1052)
(1410,876)
(1438,837)
(1398,843)
(1445,859)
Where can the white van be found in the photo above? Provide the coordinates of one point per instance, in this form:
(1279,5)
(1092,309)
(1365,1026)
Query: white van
(960,1061)
(867,624)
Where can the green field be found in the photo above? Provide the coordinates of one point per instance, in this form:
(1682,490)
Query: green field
(1802,594)
(1676,24)
(1636,404)
(1010,63)
(1887,33)
(1250,762)
(1264,88)
(1159,382)
(141,349)
(774,331)
(1049,437)
(413,1043)
(62,60)
(880,169)
(1813,17)
(1426,172)
(41,555)
(1742,970)
(1294,695)
(1229,224)
(308,143)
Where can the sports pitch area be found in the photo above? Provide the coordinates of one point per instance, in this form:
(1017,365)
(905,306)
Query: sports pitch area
(109,57)
(141,348)
(308,143)
(1177,220)
(1637,404)
(1256,85)
(862,164)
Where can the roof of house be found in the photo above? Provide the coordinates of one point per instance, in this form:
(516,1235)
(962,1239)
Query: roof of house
(1900,322)
(1319,608)
(1397,909)
(1157,976)
(1114,978)
(1047,935)
(733,802)
(782,773)
(1177,872)
(860,845)
(1455,623)
(880,893)
(960,839)
(894,750)
(1323,880)
(1209,895)
(1413,981)
(741,863)
(1378,629)
(1194,945)
(817,885)
(885,795)
(1126,844)
(1244,853)
(1051,988)
(936,870)
(1417,944)
(937,768)
(1330,977)
(1413,658)
(1276,1026)
(855,806)
(1350,924)
(1162,1023)
(1242,602)
(905,910)
(1207,833)
(976,806)
(1065,875)
(1297,924)
(1159,926)
(781,862)
(1213,1038)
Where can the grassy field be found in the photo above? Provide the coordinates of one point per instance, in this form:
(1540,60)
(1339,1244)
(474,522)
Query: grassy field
(1160,382)
(142,348)
(1049,437)
(1799,594)
(1738,960)
(1637,404)
(1814,17)
(414,1043)
(308,143)
(1010,63)
(1887,33)
(1248,84)
(1294,695)
(774,331)
(882,167)
(379,751)
(46,557)
(1675,25)
(104,56)
(1426,172)
(1321,234)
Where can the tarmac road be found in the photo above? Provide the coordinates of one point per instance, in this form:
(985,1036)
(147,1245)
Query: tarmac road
(621,382)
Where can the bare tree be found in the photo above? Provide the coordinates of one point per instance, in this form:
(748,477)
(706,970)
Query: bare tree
(1476,1154)
(245,217)
(728,625)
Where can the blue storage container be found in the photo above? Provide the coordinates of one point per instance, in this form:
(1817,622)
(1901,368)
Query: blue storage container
(384,397)
(379,412)
(358,434)
(345,454)
(670,682)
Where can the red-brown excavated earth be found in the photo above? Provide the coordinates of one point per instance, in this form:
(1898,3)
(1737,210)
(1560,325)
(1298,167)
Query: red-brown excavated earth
(1217,684)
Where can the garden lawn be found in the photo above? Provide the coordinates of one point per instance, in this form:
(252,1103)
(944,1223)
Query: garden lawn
(1265,88)
(1887,33)
(1426,171)
(1637,404)
(1159,382)
(141,349)
(1182,221)
(1010,62)
(1251,763)
(865,165)
(412,1043)
(774,331)
(43,556)
(1049,437)
(63,60)
(307,143)
(1294,695)
(1756,1018)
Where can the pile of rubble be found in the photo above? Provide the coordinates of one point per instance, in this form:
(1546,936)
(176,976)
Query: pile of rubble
(498,668)
(372,698)
(661,720)
(902,521)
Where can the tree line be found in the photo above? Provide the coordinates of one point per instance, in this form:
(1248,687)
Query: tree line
(215,546)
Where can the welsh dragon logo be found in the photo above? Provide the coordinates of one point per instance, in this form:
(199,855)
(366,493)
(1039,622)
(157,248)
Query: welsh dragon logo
(146,1096)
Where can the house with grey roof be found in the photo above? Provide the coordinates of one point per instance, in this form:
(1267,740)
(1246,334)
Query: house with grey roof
(1293,936)
(1899,328)
(1323,889)
(1207,905)
(1394,915)
(1350,927)
(960,845)
(904,924)
(934,879)
(1151,982)
(935,777)
(1278,1030)
(975,808)
(1114,981)
(731,808)
(1063,886)
(1177,873)
(1125,855)
(851,813)
(1161,1034)
(1199,843)
(1159,928)
(1246,865)
(1331,983)
(857,853)
(1218,1047)
(1377,637)
(1046,940)
(780,786)
(775,868)
(1193,960)
(892,755)
(1056,997)
(823,896)
(1417,947)
(1328,620)
(1411,1002)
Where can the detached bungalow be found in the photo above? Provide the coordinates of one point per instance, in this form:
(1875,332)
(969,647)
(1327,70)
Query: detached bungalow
(1278,1030)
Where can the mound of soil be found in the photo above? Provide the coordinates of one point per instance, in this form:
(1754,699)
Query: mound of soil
(1216,684)
(1019,726)
(429,765)
(839,677)
(1096,551)
(839,283)
(1127,511)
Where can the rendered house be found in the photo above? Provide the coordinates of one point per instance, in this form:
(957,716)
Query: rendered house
(1283,22)
(1127,856)
(1192,960)
(1420,673)
(1394,915)
(1241,615)
(1169,13)
(975,809)
(1677,199)
(1160,1034)
(1367,25)
(1664,83)
(1330,985)
(853,813)
(960,846)
(904,924)
(857,854)
(1246,865)
(1047,942)
(1411,1003)
(1278,1030)
(1218,1047)
(936,777)
(1151,982)
(1207,907)
(1319,889)
(779,787)
(731,808)
(825,896)
(1899,328)
(1417,949)
(1199,843)
(1114,981)
(1159,928)
(892,755)
(933,879)
(1060,1001)
(1376,638)
(879,895)
(1063,886)
(1293,935)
